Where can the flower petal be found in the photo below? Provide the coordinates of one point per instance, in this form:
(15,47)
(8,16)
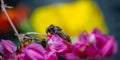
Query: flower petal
(107,49)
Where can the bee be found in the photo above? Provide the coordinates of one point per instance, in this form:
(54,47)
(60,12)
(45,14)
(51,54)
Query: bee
(26,40)
(57,30)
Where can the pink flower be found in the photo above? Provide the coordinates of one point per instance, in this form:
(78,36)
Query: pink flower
(36,52)
(32,52)
(58,45)
(94,45)
(7,48)
(106,44)
(90,46)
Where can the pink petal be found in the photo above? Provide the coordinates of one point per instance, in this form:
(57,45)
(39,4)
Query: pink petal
(115,48)
(1,48)
(36,47)
(96,31)
(107,49)
(7,46)
(34,52)
(51,56)
(57,44)
(71,56)
(83,36)
(79,49)
(91,51)
(33,55)
(100,41)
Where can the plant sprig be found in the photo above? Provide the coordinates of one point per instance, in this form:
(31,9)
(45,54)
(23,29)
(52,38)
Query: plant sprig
(3,7)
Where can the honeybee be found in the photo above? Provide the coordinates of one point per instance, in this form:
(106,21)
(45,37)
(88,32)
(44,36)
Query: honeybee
(26,40)
(57,30)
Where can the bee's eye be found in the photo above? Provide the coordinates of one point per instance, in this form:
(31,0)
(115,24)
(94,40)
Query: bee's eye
(57,28)
(50,28)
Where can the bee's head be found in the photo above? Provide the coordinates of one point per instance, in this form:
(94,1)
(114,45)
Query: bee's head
(53,29)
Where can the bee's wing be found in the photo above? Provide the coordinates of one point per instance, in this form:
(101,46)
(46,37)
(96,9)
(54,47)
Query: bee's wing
(64,36)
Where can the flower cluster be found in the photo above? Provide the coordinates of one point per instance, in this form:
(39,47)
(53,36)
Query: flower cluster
(90,46)
(93,46)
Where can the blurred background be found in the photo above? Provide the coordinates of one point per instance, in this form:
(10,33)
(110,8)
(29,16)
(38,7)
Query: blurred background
(73,16)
